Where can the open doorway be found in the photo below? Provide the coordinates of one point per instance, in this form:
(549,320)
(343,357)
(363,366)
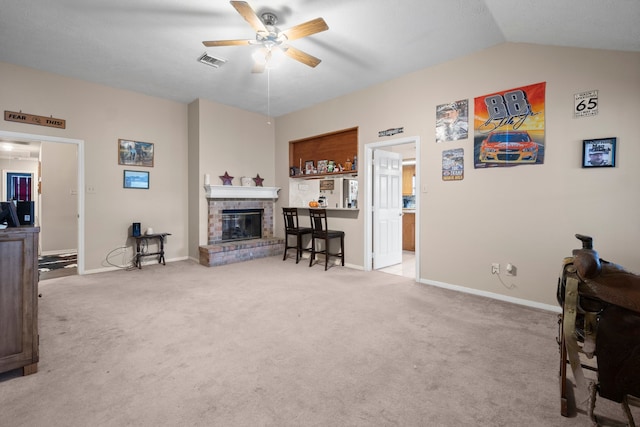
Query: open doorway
(22,140)
(409,150)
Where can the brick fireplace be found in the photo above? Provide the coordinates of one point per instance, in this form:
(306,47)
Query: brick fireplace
(224,198)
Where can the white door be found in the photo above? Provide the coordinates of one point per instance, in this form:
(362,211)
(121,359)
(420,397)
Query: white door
(387,209)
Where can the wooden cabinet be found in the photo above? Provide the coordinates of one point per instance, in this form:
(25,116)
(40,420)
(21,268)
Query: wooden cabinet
(408,172)
(337,146)
(409,232)
(19,299)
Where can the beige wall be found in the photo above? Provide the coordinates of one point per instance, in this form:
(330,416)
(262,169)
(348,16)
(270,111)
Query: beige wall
(524,215)
(101,115)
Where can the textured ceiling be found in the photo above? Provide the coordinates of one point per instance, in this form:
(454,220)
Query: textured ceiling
(152,46)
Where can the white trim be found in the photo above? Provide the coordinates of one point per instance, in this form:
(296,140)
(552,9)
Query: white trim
(150,261)
(80,189)
(240,192)
(499,297)
(368,208)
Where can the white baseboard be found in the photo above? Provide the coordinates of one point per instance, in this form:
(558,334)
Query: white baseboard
(500,297)
(149,261)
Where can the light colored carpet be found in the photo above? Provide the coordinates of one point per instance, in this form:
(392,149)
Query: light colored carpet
(271,343)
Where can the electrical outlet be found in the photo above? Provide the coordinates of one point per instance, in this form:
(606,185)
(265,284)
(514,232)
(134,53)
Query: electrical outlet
(91,189)
(495,268)
(511,269)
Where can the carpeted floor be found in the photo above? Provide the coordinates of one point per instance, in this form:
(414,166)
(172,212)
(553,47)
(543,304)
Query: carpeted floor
(271,343)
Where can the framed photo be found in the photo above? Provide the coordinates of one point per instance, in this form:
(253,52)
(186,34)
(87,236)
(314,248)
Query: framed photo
(136,179)
(322,166)
(599,153)
(308,167)
(135,153)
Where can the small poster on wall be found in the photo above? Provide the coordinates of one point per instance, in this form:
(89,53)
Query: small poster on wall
(452,121)
(586,104)
(453,164)
(510,127)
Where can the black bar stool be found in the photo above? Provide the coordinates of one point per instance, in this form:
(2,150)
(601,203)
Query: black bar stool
(321,231)
(292,229)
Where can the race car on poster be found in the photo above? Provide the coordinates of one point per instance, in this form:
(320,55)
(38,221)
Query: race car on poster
(508,147)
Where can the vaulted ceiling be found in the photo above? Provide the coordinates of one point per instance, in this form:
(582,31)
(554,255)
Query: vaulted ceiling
(153,46)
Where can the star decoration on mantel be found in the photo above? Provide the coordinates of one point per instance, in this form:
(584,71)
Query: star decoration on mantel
(258,180)
(226,179)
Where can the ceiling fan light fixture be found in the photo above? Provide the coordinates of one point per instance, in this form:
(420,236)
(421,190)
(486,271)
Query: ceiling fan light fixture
(260,57)
(268,57)
(276,58)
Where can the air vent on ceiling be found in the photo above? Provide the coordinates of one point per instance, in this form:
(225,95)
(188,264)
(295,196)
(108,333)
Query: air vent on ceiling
(210,60)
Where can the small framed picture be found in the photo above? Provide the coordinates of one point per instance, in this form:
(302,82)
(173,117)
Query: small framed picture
(327,184)
(308,167)
(322,166)
(136,179)
(599,153)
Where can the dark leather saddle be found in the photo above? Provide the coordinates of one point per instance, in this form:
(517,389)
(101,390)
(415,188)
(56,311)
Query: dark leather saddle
(603,320)
(605,281)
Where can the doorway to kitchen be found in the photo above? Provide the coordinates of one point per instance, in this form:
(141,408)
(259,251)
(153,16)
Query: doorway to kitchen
(409,151)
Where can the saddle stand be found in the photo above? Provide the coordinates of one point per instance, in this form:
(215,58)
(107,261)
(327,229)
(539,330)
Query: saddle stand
(600,322)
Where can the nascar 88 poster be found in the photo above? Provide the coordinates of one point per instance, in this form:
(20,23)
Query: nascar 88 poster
(509,127)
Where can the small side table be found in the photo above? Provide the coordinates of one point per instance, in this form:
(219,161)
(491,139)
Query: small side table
(145,238)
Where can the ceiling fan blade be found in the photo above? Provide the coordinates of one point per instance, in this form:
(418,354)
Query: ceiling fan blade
(250,16)
(301,56)
(216,43)
(306,29)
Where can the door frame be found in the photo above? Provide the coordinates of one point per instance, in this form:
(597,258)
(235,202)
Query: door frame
(368,208)
(80,190)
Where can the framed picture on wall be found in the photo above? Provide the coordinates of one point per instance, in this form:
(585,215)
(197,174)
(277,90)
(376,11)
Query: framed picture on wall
(599,153)
(136,179)
(135,153)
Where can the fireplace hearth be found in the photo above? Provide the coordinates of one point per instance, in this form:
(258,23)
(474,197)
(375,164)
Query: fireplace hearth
(240,225)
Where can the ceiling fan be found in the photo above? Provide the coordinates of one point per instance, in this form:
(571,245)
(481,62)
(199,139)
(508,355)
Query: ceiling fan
(271,38)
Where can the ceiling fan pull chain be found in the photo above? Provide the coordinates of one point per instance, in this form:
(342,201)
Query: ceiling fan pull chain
(268,95)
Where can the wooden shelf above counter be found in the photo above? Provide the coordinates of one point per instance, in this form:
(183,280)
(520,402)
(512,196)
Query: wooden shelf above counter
(337,146)
(325,175)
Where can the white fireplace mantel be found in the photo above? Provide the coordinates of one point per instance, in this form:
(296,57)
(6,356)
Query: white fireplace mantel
(240,192)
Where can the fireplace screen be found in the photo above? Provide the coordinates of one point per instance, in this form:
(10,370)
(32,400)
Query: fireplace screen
(241,224)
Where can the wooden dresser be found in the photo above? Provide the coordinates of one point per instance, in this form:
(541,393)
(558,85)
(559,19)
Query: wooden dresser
(19,299)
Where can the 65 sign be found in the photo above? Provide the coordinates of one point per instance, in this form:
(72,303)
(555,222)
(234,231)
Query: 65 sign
(586,104)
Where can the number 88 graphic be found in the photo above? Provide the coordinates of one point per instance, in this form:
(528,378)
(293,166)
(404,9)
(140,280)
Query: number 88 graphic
(512,104)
